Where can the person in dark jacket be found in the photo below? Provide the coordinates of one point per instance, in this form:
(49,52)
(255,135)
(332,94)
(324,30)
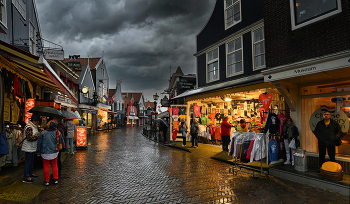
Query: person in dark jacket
(194,133)
(225,133)
(290,131)
(327,131)
(183,130)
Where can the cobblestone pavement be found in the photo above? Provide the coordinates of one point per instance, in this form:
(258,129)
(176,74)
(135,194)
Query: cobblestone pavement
(122,166)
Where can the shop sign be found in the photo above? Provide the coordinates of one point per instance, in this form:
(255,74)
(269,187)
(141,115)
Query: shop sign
(54,54)
(81,136)
(312,69)
(74,64)
(64,100)
(339,117)
(29,104)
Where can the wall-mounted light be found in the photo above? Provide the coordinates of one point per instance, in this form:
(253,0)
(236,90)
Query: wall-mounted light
(85,90)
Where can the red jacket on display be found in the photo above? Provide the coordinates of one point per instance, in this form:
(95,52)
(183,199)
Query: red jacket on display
(225,128)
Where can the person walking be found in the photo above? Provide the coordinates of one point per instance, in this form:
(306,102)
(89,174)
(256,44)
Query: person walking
(289,132)
(71,134)
(194,133)
(60,127)
(225,133)
(327,131)
(183,130)
(29,147)
(48,147)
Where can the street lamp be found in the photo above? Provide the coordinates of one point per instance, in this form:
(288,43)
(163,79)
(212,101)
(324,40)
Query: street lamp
(155,97)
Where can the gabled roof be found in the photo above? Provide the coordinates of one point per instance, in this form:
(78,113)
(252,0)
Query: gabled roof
(64,67)
(92,61)
(137,97)
(151,104)
(83,74)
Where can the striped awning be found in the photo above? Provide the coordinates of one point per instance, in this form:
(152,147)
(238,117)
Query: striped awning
(35,69)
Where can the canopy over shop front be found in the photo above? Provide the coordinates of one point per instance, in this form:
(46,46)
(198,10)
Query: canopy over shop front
(35,68)
(239,85)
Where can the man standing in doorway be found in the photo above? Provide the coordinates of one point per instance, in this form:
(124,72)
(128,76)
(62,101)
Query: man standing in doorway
(327,132)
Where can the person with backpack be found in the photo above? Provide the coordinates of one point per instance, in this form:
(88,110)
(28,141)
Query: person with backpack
(183,130)
(194,133)
(29,147)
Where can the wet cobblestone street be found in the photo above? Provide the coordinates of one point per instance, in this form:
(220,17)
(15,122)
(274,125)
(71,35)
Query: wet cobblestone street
(122,166)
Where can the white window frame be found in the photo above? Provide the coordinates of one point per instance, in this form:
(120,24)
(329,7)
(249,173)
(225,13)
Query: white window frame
(312,20)
(233,52)
(210,62)
(21,7)
(253,49)
(226,9)
(32,39)
(3,13)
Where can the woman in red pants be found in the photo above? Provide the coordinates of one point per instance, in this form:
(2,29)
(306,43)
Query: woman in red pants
(48,146)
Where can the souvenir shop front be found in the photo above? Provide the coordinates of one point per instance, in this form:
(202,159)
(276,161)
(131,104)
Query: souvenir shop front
(321,86)
(260,106)
(89,113)
(102,118)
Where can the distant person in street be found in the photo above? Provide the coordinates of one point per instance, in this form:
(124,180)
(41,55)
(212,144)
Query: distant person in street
(183,129)
(225,133)
(71,134)
(289,132)
(48,148)
(163,131)
(30,142)
(84,122)
(327,131)
(194,133)
(60,127)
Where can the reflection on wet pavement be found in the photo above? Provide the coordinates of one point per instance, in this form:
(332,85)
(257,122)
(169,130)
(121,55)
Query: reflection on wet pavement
(122,166)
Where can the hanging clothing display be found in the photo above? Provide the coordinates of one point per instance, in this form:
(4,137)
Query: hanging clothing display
(204,120)
(204,110)
(174,134)
(212,118)
(196,110)
(182,117)
(176,111)
(272,124)
(273,150)
(175,117)
(266,100)
(176,125)
(182,111)
(282,119)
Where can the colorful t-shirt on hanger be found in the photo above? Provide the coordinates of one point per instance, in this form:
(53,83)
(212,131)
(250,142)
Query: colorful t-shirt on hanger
(204,110)
(176,125)
(175,117)
(176,111)
(212,118)
(282,119)
(182,117)
(197,110)
(204,120)
(182,111)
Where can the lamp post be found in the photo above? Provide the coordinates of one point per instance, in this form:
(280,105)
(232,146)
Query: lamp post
(155,98)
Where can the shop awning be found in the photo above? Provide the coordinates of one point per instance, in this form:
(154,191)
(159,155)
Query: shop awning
(234,86)
(112,113)
(135,118)
(35,69)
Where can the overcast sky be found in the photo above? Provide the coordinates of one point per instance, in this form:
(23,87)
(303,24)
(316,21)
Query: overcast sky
(141,39)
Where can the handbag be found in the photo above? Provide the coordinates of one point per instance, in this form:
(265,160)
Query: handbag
(338,142)
(297,143)
(292,144)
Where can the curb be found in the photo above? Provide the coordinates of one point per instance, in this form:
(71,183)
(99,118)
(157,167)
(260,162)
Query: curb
(168,145)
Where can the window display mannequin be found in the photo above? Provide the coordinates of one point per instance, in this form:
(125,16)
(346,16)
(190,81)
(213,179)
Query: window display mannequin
(290,131)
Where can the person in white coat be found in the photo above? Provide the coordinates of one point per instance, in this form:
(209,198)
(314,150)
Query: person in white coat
(30,136)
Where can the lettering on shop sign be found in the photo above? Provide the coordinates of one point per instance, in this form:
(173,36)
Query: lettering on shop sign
(339,117)
(309,69)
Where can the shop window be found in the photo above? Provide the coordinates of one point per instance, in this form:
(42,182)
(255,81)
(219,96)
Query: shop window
(213,65)
(232,13)
(32,40)
(305,12)
(234,57)
(259,48)
(20,5)
(330,98)
(3,18)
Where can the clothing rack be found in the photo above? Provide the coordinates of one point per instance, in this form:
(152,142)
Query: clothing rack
(246,169)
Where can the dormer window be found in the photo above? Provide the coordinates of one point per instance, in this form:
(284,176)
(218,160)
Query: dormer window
(232,13)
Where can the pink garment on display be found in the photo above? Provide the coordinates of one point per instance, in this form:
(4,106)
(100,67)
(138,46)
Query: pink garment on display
(176,111)
(250,148)
(282,119)
(197,110)
(266,100)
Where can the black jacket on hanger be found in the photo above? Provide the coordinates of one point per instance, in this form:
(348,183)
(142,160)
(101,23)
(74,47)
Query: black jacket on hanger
(272,124)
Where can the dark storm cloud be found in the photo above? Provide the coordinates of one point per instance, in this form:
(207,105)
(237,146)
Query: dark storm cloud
(140,39)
